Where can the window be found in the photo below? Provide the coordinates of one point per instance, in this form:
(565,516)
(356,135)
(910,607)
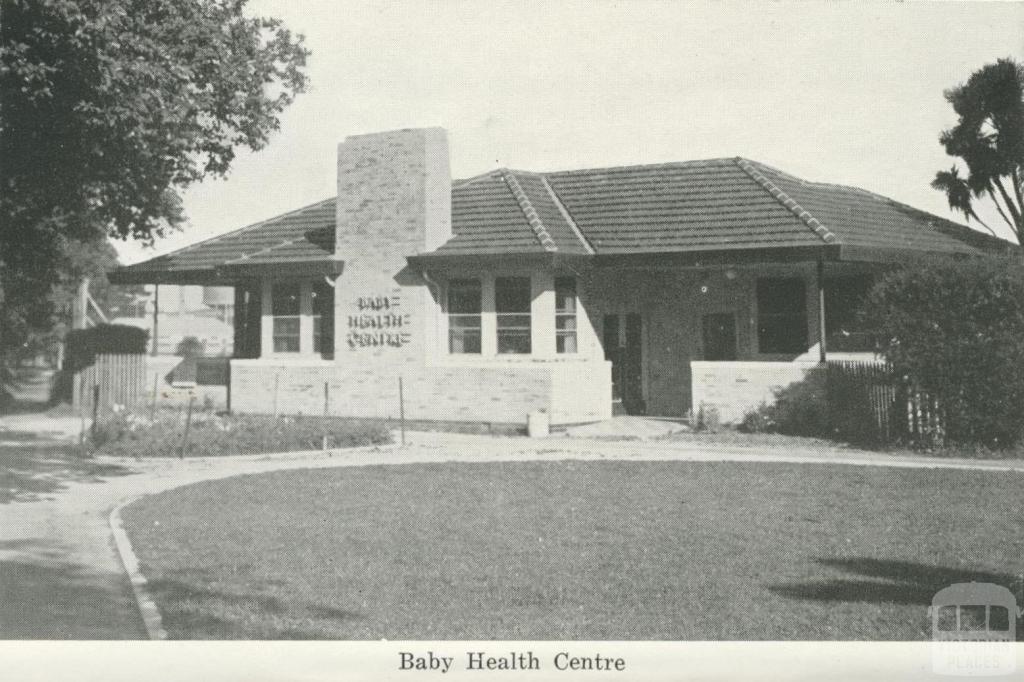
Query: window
(998,618)
(781,316)
(972,617)
(285,309)
(843,299)
(512,304)
(565,314)
(464,316)
(323,318)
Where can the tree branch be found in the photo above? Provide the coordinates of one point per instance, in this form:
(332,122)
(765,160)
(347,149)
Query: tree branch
(1010,206)
(995,202)
(1015,177)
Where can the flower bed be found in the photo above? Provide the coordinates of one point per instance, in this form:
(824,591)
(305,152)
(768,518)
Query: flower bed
(127,433)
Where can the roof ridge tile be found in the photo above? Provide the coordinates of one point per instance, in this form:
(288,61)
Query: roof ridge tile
(536,224)
(787,201)
(570,221)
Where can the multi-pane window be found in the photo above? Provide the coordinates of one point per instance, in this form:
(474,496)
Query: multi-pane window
(464,296)
(512,305)
(286,309)
(565,314)
(323,318)
(781,315)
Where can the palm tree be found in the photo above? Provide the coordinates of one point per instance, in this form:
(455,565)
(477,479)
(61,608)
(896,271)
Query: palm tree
(989,139)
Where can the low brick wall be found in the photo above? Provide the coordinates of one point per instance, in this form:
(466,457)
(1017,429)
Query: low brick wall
(735,388)
(505,394)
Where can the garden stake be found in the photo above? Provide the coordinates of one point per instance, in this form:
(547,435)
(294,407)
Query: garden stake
(401,408)
(327,396)
(95,410)
(188,423)
(152,408)
(81,411)
(276,377)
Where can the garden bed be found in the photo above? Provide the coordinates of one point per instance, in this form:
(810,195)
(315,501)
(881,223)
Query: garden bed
(172,433)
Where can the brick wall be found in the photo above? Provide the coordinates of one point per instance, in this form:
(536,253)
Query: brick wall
(570,392)
(735,388)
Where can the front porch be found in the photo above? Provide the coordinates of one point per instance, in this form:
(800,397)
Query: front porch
(725,336)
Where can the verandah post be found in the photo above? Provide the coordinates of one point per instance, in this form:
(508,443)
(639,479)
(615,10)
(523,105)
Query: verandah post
(822,351)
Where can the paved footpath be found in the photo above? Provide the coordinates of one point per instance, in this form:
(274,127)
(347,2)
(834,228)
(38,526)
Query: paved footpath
(61,578)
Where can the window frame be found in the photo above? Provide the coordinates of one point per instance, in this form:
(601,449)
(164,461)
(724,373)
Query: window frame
(275,317)
(461,330)
(563,315)
(508,323)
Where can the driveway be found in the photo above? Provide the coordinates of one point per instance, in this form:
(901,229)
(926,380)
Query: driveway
(60,575)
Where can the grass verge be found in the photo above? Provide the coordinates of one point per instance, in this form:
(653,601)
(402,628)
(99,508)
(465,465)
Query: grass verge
(575,550)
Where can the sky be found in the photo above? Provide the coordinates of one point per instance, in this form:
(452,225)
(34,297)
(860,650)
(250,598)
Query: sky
(839,92)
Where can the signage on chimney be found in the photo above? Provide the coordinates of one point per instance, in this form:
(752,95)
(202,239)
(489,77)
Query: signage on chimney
(378,322)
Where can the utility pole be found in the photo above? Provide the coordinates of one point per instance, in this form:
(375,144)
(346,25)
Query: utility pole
(156,318)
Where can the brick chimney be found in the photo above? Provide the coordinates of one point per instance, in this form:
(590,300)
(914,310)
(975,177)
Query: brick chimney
(394,201)
(394,192)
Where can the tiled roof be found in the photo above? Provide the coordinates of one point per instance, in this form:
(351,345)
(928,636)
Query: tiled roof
(676,207)
(716,204)
(299,236)
(861,218)
(507,211)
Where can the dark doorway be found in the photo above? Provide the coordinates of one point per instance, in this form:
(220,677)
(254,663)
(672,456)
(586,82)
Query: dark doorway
(248,312)
(623,347)
(719,336)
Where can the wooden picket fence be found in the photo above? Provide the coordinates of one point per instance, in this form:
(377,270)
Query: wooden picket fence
(869,403)
(111,380)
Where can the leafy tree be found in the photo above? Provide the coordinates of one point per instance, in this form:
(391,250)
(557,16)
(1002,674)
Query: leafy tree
(51,319)
(989,139)
(108,110)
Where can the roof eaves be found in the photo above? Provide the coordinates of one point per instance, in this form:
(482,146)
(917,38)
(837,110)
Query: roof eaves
(787,201)
(251,226)
(539,231)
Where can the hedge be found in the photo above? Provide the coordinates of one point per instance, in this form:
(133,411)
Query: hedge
(955,328)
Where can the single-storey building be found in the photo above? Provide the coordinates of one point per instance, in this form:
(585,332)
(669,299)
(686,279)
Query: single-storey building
(653,289)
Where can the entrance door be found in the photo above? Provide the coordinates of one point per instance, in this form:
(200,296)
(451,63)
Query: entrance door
(623,347)
(719,336)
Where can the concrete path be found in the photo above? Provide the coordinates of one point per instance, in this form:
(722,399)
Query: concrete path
(60,577)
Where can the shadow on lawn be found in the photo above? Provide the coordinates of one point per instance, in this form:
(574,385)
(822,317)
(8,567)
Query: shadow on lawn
(894,581)
(27,472)
(193,608)
(45,596)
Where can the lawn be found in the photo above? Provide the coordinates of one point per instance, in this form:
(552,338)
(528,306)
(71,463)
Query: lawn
(575,550)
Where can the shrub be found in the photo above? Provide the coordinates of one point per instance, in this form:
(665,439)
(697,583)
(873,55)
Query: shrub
(956,328)
(707,419)
(190,347)
(211,435)
(759,420)
(800,409)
